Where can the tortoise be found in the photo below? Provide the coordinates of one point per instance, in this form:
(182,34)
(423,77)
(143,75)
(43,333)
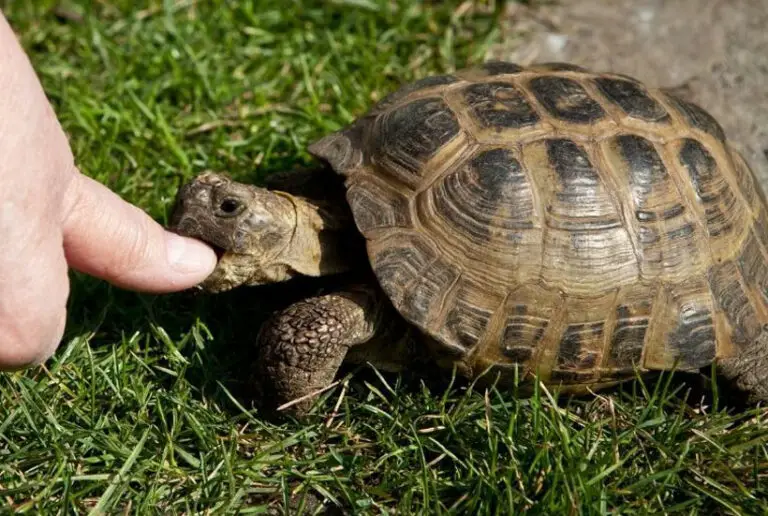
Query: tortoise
(542,223)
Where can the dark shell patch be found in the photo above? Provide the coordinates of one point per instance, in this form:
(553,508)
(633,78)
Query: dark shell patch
(501,67)
(632,99)
(628,336)
(411,134)
(566,100)
(698,117)
(499,105)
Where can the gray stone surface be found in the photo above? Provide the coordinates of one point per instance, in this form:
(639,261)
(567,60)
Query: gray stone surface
(715,51)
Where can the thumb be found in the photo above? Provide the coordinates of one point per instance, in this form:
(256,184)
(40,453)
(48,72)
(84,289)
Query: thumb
(106,237)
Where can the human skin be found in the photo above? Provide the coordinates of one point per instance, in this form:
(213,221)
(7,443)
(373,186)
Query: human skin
(52,217)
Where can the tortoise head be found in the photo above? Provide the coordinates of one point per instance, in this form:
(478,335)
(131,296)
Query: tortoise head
(260,236)
(248,227)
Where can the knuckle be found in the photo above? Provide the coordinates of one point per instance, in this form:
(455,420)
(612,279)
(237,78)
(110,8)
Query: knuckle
(72,196)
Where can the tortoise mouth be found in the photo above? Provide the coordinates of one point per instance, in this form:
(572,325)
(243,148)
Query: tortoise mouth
(185,227)
(220,251)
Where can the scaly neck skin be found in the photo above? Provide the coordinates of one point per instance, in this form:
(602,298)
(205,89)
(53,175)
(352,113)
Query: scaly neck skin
(316,246)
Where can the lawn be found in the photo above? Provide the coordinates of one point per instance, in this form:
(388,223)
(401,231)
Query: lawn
(146,408)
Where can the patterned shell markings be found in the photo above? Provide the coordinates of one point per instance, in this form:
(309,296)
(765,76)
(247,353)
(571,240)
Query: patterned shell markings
(576,223)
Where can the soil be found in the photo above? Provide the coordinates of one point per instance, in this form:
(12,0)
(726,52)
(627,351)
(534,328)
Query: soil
(714,51)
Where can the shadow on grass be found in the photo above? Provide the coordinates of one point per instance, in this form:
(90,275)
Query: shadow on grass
(233,319)
(230,320)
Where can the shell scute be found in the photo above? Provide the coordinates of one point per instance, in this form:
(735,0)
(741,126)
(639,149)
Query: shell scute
(499,106)
(566,99)
(632,99)
(409,135)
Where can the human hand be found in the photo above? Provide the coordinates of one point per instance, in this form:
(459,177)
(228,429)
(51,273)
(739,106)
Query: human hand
(52,216)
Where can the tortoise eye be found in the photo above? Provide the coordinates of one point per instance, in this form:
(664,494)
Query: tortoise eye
(230,207)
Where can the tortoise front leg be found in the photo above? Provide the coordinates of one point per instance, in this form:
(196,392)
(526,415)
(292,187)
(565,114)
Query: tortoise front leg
(302,347)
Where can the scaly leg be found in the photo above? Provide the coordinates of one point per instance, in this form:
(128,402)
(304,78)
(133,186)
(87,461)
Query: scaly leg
(748,372)
(302,347)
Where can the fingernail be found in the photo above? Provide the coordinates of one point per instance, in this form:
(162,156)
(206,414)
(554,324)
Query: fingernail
(188,255)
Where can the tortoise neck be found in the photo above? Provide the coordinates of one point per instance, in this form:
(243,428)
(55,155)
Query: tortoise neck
(317,246)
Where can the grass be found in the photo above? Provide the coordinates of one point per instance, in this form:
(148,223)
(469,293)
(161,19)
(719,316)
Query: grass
(145,407)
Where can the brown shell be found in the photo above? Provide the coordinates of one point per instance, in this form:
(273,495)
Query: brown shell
(573,223)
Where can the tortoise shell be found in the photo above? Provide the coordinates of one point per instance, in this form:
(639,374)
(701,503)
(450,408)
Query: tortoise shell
(580,225)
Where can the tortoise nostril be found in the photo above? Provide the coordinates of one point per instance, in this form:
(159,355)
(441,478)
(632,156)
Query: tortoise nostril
(184,226)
